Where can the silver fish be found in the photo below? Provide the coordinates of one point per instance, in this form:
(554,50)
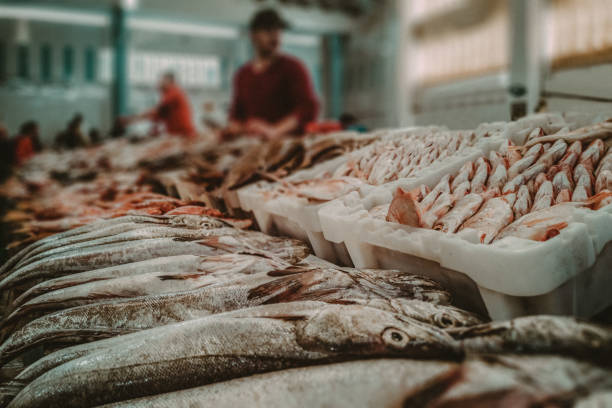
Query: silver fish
(225,346)
(540,334)
(360,384)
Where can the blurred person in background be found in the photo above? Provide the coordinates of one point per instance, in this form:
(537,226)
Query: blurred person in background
(273,94)
(72,137)
(26,142)
(172,112)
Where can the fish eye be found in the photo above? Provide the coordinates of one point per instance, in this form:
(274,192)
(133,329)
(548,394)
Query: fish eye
(395,338)
(445,320)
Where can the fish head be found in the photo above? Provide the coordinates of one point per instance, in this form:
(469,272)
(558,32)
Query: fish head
(397,284)
(358,330)
(439,315)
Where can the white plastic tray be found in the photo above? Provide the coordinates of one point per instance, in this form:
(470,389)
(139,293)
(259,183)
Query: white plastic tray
(569,274)
(298,218)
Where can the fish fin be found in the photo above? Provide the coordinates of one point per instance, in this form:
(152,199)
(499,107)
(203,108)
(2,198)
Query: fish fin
(286,317)
(432,390)
(180,277)
(278,291)
(292,270)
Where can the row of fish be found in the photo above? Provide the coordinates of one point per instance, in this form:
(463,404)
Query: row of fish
(95,324)
(395,156)
(528,195)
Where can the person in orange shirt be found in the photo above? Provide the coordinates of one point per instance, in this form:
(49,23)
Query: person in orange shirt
(172,112)
(26,142)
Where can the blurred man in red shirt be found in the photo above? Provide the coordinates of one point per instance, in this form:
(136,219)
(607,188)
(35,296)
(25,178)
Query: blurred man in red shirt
(273,94)
(173,110)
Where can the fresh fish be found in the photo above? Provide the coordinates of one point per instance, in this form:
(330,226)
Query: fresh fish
(554,154)
(498,178)
(494,215)
(542,335)
(223,347)
(514,184)
(126,231)
(497,159)
(534,170)
(605,163)
(179,262)
(582,170)
(580,194)
(205,273)
(541,225)
(539,180)
(564,196)
(522,205)
(462,190)
(405,209)
(134,235)
(361,384)
(604,181)
(593,153)
(535,150)
(465,208)
(514,380)
(544,197)
(443,186)
(480,176)
(535,133)
(465,174)
(600,130)
(587,183)
(563,180)
(113,254)
(442,205)
(521,165)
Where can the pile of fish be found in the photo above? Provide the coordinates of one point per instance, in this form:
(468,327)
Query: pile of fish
(395,156)
(528,192)
(174,309)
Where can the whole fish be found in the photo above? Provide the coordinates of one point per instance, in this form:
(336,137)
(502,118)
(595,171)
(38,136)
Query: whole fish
(514,380)
(222,347)
(604,181)
(587,133)
(126,231)
(514,184)
(539,334)
(563,180)
(465,173)
(360,384)
(463,210)
(480,176)
(523,203)
(109,319)
(544,197)
(206,272)
(605,163)
(443,186)
(541,225)
(178,262)
(498,178)
(133,251)
(494,215)
(555,153)
(137,234)
(521,165)
(593,153)
(113,226)
(440,208)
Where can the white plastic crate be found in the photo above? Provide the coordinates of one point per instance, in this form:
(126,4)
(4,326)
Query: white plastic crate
(298,218)
(570,274)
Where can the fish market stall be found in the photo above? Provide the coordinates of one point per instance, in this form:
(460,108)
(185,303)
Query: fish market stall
(134,286)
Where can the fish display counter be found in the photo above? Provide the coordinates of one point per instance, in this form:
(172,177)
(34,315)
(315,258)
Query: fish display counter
(118,293)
